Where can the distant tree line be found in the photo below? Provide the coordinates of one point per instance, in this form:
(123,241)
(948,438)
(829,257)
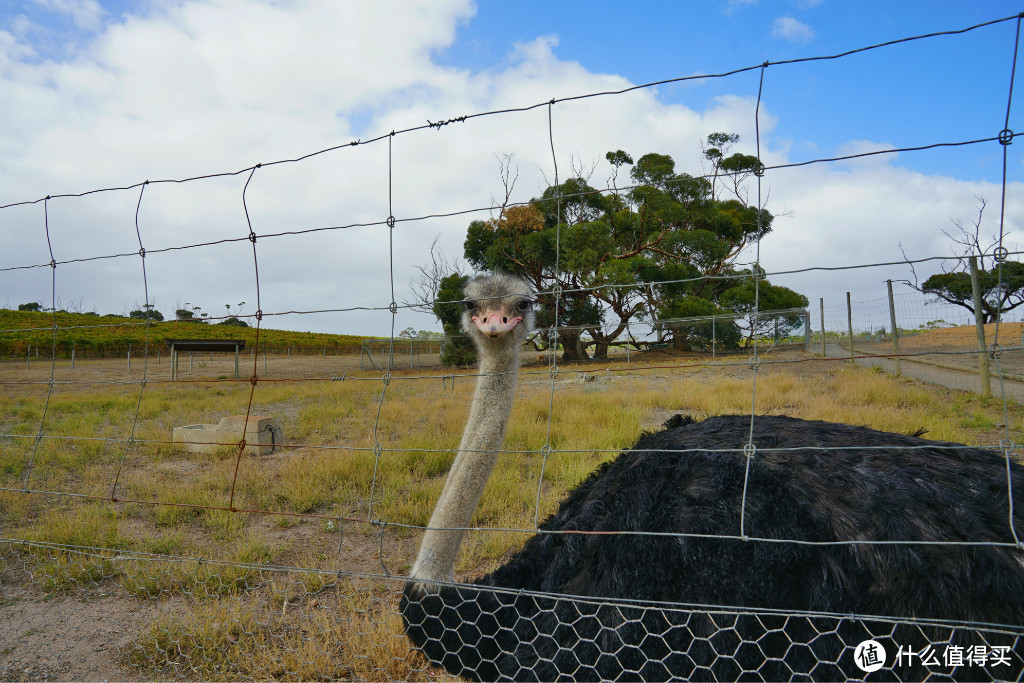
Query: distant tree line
(149,312)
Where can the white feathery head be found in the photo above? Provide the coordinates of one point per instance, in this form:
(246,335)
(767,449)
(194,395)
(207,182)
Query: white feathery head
(499,311)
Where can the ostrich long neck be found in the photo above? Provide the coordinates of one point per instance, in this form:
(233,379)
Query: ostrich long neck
(478,452)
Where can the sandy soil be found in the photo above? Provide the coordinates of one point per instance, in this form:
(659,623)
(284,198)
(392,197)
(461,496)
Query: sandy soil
(78,636)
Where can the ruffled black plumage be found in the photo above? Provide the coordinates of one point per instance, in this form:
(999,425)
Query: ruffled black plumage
(838,483)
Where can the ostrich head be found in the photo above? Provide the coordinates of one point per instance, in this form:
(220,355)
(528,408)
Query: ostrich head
(499,313)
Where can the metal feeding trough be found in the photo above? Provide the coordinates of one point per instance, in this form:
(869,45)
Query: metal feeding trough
(262,435)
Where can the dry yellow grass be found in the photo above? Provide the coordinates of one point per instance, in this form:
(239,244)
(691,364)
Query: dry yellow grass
(348,631)
(231,621)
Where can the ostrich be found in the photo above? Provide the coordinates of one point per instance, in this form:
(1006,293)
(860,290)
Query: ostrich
(784,601)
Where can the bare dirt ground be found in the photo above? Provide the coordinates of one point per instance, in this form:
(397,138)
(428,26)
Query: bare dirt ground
(957,347)
(86,632)
(80,636)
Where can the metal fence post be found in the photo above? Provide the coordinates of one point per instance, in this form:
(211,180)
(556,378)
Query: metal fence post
(849,323)
(821,303)
(807,332)
(714,336)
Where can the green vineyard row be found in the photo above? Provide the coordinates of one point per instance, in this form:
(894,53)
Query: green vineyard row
(31,332)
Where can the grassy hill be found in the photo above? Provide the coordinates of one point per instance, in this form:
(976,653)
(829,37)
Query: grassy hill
(110,335)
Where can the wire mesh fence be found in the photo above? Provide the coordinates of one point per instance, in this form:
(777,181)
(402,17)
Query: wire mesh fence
(92,612)
(934,341)
(123,555)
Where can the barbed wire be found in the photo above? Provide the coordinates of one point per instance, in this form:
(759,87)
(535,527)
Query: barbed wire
(495,207)
(461,119)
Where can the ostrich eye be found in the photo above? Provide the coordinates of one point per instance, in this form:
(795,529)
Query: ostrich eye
(524,305)
(470,306)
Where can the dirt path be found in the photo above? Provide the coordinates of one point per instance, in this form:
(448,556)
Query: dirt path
(934,370)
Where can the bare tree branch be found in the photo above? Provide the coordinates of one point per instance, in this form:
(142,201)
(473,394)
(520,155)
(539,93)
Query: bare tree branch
(508,181)
(425,285)
(915,285)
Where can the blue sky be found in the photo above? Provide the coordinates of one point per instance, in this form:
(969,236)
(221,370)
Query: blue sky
(942,89)
(109,94)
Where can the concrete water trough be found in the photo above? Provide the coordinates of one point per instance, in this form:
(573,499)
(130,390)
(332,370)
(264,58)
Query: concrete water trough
(262,435)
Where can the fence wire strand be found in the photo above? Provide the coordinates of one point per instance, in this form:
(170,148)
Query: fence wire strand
(308,645)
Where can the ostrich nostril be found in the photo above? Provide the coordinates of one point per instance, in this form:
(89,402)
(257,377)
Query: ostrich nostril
(504,320)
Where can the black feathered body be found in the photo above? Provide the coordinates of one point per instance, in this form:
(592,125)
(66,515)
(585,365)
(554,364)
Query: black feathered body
(808,481)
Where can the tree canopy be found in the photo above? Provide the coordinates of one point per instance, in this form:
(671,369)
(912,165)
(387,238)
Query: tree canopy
(998,293)
(149,313)
(675,234)
(458,350)
(1002,290)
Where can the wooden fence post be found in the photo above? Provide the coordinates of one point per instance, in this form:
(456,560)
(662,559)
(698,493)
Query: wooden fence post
(979,325)
(895,330)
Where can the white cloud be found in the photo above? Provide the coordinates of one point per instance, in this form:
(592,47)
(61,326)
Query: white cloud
(867,154)
(791,29)
(732,5)
(86,14)
(197,88)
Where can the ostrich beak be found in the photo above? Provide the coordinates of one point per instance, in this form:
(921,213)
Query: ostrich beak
(495,324)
